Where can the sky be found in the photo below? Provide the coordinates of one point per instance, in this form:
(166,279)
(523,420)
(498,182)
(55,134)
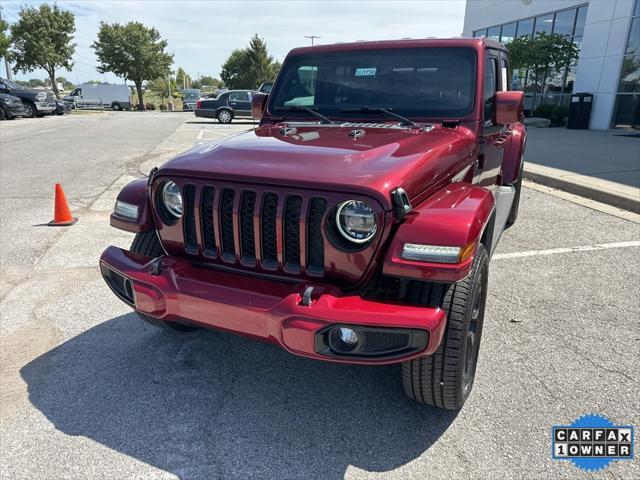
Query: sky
(202,34)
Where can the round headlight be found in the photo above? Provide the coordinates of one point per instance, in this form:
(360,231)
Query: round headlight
(356,221)
(172,199)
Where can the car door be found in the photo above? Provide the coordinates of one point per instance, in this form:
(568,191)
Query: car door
(240,101)
(493,135)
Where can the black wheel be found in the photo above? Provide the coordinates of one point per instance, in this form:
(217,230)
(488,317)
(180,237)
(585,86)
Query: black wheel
(224,116)
(116,107)
(445,379)
(513,214)
(30,110)
(3,114)
(148,244)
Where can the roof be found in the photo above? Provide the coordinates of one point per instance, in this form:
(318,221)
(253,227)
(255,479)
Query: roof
(403,43)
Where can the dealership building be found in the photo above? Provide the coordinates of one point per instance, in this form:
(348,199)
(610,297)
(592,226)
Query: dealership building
(608,35)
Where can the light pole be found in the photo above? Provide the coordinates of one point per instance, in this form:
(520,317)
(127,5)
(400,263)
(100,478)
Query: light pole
(6,60)
(312,37)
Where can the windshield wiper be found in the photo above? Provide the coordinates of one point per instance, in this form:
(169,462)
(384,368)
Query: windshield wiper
(386,111)
(309,110)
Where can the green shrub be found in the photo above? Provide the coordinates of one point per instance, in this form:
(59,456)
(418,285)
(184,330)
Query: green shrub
(556,113)
(163,107)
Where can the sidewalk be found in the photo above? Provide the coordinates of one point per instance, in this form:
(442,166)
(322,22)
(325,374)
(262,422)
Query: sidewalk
(603,165)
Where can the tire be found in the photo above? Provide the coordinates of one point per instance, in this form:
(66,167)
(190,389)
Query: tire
(445,379)
(148,244)
(30,110)
(116,107)
(513,214)
(224,116)
(3,114)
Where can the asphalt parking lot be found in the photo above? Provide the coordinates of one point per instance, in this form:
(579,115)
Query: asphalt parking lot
(90,392)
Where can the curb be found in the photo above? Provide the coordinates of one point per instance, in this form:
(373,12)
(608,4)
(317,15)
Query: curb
(604,191)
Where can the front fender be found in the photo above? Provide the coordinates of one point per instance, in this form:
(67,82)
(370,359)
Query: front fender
(135,193)
(514,154)
(456,216)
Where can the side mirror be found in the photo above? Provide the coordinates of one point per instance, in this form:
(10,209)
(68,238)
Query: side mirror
(509,107)
(258,102)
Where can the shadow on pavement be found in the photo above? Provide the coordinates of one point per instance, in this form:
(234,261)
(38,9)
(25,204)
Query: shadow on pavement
(210,404)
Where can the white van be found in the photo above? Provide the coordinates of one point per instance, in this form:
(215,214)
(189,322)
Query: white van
(117,97)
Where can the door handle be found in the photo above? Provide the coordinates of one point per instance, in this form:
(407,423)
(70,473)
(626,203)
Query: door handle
(500,142)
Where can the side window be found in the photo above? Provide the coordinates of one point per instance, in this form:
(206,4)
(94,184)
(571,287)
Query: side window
(490,88)
(504,74)
(300,87)
(238,97)
(3,87)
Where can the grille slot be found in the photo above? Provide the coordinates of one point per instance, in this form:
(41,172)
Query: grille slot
(226,223)
(384,341)
(189,222)
(268,230)
(315,240)
(291,232)
(206,221)
(251,227)
(247,238)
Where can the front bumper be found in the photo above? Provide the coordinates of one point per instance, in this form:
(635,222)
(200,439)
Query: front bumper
(45,107)
(15,109)
(260,308)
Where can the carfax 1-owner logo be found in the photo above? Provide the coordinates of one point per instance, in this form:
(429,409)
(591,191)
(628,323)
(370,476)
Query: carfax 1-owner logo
(592,442)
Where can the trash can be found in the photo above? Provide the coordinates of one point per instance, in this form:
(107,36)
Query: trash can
(580,110)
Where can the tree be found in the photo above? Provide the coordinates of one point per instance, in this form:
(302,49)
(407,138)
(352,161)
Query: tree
(132,51)
(65,83)
(43,38)
(5,40)
(183,79)
(34,82)
(207,82)
(250,66)
(541,54)
(161,87)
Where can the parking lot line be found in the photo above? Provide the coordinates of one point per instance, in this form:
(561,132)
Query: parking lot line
(554,251)
(200,134)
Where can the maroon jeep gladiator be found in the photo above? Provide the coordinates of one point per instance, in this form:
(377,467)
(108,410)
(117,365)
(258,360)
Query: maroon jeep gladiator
(355,224)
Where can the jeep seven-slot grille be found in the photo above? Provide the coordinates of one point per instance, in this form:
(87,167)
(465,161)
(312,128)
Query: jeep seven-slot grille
(246,223)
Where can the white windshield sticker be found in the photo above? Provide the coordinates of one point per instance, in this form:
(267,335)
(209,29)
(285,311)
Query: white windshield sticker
(365,72)
(504,79)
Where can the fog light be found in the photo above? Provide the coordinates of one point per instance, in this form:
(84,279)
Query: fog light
(348,336)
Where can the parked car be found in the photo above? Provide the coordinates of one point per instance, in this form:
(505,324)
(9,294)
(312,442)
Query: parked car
(189,98)
(226,106)
(36,102)
(354,228)
(10,107)
(266,87)
(116,97)
(62,107)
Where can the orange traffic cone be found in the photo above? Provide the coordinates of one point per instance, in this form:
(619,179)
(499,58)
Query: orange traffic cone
(62,216)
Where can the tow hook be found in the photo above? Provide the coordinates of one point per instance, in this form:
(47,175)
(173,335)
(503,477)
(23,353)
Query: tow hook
(156,267)
(306,297)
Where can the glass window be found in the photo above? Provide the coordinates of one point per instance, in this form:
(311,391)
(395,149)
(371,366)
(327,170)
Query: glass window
(544,23)
(494,33)
(419,82)
(525,28)
(490,88)
(636,10)
(627,111)
(554,81)
(480,33)
(564,22)
(633,43)
(570,79)
(238,97)
(580,19)
(508,32)
(630,74)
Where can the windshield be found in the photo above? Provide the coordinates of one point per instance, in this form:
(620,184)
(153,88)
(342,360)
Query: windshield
(11,85)
(414,82)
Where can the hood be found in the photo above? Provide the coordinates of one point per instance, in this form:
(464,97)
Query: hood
(373,159)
